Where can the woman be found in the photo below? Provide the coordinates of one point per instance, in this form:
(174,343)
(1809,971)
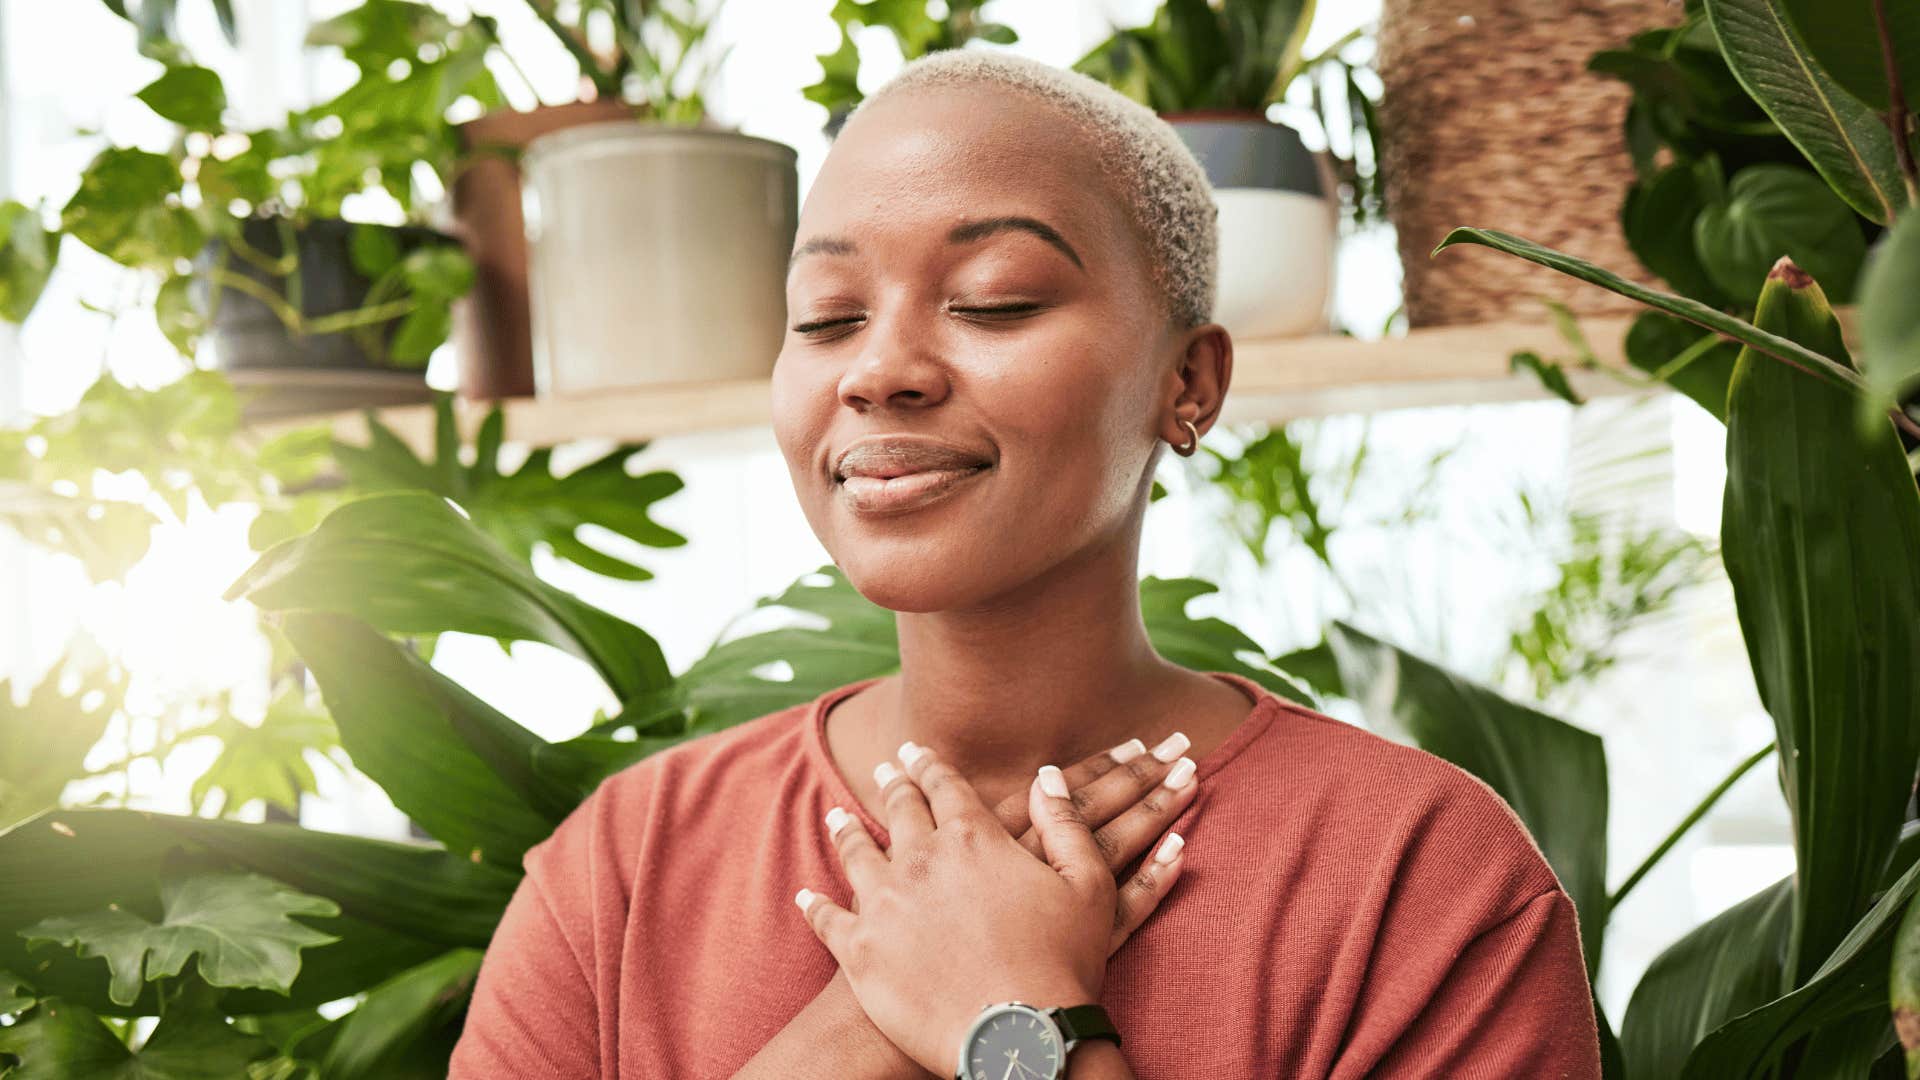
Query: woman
(998,308)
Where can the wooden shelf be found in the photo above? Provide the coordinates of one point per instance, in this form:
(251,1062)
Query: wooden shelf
(1273,380)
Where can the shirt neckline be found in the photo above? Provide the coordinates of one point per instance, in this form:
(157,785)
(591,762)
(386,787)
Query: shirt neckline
(1265,706)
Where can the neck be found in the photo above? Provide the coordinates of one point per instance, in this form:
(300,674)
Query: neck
(1056,673)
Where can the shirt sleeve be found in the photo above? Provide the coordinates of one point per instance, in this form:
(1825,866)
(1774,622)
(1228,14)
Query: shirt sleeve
(533,1012)
(1515,1003)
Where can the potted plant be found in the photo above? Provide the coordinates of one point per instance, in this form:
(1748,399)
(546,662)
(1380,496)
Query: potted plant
(675,226)
(243,236)
(644,69)
(1213,72)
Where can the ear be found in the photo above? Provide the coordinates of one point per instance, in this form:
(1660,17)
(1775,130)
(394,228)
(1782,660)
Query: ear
(1199,381)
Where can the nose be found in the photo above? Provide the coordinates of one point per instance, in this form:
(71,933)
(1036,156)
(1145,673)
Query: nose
(893,368)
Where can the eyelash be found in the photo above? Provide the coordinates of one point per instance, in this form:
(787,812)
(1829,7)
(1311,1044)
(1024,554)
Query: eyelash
(1009,309)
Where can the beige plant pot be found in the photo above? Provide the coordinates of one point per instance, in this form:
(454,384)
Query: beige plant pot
(657,255)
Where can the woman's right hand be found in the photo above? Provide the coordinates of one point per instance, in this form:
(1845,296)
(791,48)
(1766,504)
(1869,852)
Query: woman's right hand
(1128,807)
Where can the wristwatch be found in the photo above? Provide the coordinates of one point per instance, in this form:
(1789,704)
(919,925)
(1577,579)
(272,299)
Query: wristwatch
(1011,1040)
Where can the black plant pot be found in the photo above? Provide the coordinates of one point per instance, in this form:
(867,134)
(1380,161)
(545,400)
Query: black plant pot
(288,373)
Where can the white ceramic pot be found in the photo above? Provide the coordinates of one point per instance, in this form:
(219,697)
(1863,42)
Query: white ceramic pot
(1277,224)
(656,255)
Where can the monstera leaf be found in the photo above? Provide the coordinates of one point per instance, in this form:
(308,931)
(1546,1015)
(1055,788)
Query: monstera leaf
(400,904)
(108,537)
(268,761)
(529,506)
(456,766)
(60,1040)
(1206,644)
(409,563)
(44,743)
(238,926)
(15,993)
(853,639)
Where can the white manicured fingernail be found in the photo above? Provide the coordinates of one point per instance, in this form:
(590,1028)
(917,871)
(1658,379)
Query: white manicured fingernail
(836,819)
(1181,772)
(1171,747)
(1127,751)
(804,898)
(910,752)
(884,773)
(1052,782)
(1169,848)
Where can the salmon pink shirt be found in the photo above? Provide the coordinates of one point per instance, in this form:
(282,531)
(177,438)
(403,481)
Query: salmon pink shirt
(1351,907)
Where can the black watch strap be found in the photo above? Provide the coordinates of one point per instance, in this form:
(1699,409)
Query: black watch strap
(1081,1022)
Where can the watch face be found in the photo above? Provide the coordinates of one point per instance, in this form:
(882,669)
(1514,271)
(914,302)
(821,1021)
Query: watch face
(1014,1042)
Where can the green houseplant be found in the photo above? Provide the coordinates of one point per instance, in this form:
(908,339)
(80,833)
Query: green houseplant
(1815,975)
(647,63)
(406,922)
(1212,72)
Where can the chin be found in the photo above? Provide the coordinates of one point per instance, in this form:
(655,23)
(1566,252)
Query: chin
(912,577)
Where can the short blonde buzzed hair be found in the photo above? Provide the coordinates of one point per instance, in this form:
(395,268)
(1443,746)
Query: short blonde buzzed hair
(1162,184)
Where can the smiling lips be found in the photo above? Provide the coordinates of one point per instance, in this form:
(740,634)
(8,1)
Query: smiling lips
(895,473)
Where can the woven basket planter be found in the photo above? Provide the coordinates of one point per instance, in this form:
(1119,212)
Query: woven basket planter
(1490,118)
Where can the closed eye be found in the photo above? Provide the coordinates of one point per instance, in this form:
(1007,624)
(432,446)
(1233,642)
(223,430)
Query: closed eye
(1008,309)
(822,324)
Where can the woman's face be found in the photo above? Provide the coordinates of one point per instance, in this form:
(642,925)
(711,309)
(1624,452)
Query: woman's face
(911,315)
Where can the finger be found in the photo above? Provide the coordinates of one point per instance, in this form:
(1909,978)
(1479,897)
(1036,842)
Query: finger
(859,855)
(1129,807)
(1012,810)
(1148,817)
(1142,893)
(902,805)
(831,923)
(948,794)
(1070,849)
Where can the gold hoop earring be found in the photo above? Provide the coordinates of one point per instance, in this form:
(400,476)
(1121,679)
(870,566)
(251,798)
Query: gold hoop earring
(1191,442)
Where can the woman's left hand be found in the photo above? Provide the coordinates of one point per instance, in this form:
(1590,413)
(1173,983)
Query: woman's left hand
(957,914)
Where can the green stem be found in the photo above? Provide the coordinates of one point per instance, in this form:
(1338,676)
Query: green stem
(325,324)
(245,284)
(1686,823)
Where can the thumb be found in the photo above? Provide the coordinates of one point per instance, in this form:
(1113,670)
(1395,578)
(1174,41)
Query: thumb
(1064,836)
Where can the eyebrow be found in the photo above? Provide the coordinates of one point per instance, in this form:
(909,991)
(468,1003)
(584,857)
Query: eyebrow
(964,233)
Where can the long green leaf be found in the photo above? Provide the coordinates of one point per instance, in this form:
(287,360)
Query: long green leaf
(1844,38)
(1851,981)
(1842,137)
(1818,535)
(397,1012)
(409,563)
(442,755)
(1553,774)
(1726,966)
(1693,311)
